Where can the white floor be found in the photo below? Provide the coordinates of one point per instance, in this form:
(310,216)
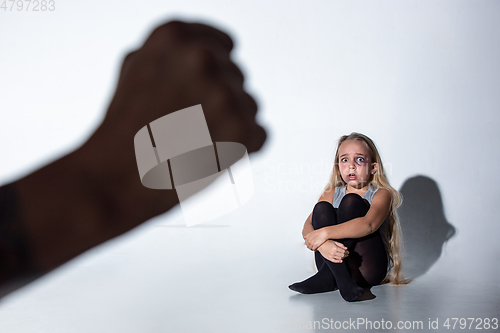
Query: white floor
(421,78)
(230,276)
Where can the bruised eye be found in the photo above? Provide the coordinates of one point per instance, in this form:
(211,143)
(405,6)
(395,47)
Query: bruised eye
(360,159)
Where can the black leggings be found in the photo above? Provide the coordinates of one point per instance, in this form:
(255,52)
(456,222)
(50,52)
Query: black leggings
(367,260)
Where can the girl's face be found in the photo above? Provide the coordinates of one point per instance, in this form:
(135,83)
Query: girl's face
(355,163)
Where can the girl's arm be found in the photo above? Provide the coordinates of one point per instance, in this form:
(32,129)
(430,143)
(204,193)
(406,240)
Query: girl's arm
(308,227)
(355,228)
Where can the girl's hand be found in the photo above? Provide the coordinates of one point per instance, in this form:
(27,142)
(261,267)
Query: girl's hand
(314,239)
(333,251)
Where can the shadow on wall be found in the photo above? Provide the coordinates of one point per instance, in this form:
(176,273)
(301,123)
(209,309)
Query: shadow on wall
(424,226)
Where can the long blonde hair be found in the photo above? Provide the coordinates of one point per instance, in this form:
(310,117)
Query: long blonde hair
(379,180)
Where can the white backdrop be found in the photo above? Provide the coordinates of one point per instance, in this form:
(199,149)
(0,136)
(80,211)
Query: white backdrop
(421,78)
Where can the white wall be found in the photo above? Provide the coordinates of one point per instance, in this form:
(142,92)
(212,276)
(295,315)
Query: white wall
(421,78)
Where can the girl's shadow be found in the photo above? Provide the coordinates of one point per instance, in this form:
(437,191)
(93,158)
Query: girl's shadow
(424,227)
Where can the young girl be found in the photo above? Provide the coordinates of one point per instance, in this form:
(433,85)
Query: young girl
(353,228)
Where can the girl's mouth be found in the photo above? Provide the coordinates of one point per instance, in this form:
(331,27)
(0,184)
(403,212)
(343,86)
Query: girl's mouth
(351,176)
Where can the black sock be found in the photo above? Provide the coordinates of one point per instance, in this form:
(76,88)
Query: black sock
(321,282)
(349,290)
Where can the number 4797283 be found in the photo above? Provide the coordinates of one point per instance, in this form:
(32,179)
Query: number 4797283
(26,5)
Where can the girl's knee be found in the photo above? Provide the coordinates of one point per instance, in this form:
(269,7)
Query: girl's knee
(322,205)
(354,200)
(352,197)
(352,206)
(323,215)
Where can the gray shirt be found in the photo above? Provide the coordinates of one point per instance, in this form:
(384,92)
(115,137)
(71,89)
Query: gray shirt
(340,193)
